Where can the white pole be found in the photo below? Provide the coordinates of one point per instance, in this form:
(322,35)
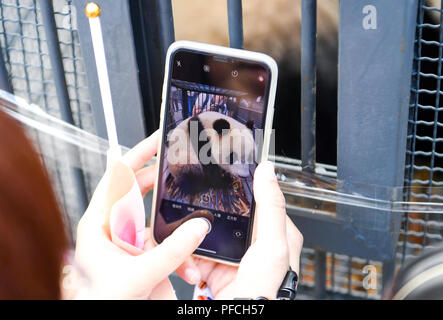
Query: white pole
(92,11)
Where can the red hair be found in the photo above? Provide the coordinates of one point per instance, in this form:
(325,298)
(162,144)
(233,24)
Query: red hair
(32,233)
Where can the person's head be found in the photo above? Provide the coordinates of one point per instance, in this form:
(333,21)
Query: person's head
(32,234)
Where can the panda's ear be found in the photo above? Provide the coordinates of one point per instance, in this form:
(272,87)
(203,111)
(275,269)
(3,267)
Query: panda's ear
(221,124)
(250,124)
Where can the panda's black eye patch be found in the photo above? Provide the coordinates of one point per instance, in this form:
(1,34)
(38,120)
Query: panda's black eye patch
(221,126)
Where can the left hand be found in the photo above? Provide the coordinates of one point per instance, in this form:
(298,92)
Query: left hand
(112,271)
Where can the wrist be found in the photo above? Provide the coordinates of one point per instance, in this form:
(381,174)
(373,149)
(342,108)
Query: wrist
(251,291)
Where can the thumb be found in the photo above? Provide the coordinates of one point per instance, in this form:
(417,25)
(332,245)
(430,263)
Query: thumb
(270,204)
(158,263)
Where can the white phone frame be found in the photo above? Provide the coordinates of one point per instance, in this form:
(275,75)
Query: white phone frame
(232,53)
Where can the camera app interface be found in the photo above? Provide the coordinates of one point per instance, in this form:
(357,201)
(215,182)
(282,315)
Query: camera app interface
(213,134)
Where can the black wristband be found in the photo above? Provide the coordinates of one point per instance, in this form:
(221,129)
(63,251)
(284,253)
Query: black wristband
(288,288)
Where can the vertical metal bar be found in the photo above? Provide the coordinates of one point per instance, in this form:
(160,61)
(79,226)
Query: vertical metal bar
(308,106)
(434,132)
(4,78)
(40,56)
(55,55)
(5,84)
(22,42)
(2,17)
(332,271)
(153,31)
(308,112)
(367,263)
(320,274)
(47,12)
(166,25)
(308,83)
(74,61)
(140,33)
(349,283)
(413,116)
(235,23)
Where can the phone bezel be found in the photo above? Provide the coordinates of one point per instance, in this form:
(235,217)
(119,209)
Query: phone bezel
(230,53)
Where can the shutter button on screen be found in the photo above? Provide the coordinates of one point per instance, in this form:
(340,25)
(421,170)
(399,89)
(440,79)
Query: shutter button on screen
(238,233)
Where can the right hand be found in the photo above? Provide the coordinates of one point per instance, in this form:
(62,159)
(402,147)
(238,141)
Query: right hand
(277,246)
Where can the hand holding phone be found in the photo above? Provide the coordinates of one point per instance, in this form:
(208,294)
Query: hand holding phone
(106,269)
(277,245)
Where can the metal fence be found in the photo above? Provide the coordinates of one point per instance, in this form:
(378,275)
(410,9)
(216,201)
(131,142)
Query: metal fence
(44,65)
(424,165)
(46,50)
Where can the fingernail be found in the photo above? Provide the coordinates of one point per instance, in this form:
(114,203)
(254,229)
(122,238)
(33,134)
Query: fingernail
(203,225)
(192,276)
(268,170)
(209,224)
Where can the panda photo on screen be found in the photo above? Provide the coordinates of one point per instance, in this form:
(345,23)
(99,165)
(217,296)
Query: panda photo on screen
(209,158)
(228,149)
(213,170)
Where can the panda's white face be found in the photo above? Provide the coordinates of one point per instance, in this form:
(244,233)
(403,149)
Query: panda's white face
(232,143)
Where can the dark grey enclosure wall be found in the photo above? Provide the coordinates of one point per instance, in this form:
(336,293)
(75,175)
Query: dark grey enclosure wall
(153,28)
(375,58)
(375,63)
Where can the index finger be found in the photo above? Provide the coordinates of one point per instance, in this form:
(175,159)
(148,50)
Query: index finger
(270,205)
(142,152)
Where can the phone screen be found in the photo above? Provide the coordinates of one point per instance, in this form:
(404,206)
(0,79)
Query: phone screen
(213,132)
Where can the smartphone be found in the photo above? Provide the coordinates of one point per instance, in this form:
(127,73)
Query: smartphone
(216,120)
